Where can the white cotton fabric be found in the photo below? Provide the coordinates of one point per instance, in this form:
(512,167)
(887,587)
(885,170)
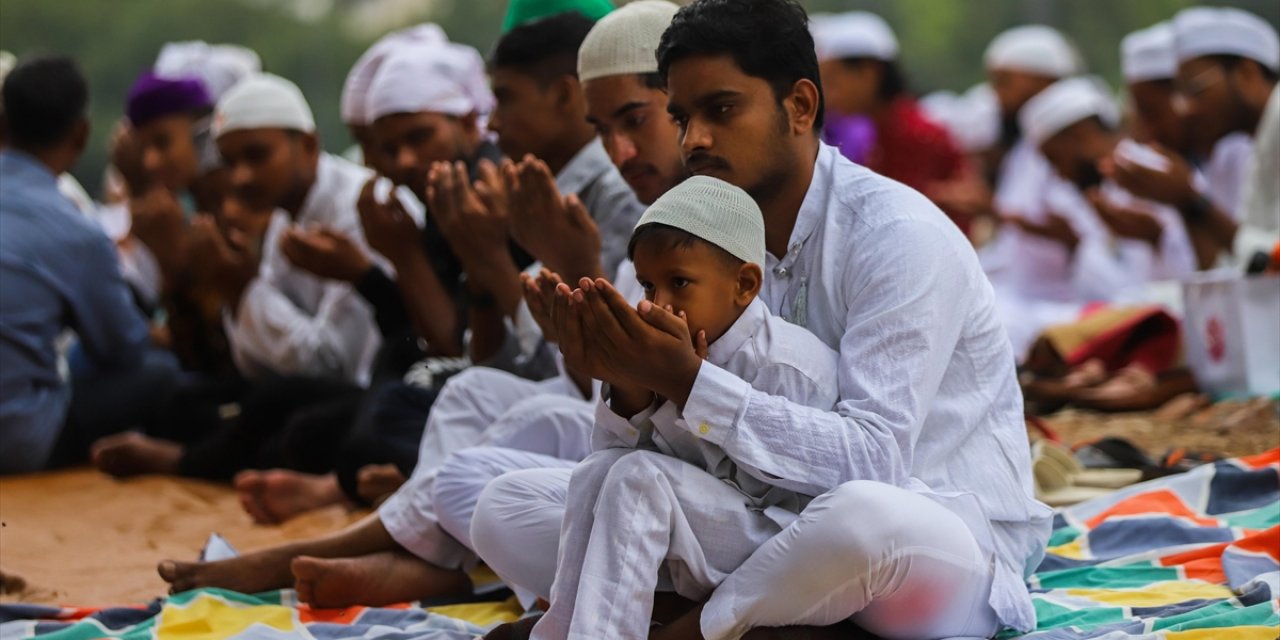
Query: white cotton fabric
(1033,49)
(356,86)
(263,101)
(775,357)
(1065,103)
(292,323)
(1260,213)
(1147,54)
(218,66)
(1207,31)
(855,34)
(715,211)
(1229,165)
(625,41)
(439,78)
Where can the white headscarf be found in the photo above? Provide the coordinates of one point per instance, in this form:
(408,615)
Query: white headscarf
(441,78)
(354,90)
(218,66)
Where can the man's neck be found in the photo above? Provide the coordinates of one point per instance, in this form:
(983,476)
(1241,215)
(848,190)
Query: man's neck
(572,142)
(782,208)
(52,159)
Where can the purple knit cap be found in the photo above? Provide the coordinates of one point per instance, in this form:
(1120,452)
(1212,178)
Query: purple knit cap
(153,97)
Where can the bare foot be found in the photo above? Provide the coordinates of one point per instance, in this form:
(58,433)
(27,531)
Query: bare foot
(273,496)
(251,573)
(374,580)
(131,454)
(374,482)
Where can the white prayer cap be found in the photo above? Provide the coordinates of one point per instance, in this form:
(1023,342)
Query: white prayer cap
(1034,49)
(714,211)
(972,119)
(355,88)
(626,40)
(1065,103)
(442,78)
(1207,31)
(218,66)
(856,34)
(1147,54)
(263,101)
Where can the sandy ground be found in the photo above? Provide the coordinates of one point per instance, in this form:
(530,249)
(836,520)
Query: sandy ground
(81,538)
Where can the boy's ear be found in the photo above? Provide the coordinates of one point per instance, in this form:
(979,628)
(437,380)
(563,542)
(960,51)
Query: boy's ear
(750,279)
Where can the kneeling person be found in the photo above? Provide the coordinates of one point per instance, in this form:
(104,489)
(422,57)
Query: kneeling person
(698,253)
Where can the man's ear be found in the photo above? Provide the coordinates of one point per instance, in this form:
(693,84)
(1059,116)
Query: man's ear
(750,279)
(80,135)
(802,106)
(310,144)
(568,93)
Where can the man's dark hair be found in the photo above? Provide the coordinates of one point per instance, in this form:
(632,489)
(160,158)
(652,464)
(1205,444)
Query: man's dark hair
(892,81)
(652,81)
(546,48)
(671,237)
(767,39)
(44,97)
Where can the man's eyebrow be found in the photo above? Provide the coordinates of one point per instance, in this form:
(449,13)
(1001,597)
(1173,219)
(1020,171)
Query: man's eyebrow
(628,107)
(705,99)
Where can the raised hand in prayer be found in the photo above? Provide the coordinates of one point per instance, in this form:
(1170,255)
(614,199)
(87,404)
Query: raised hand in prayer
(477,233)
(645,347)
(1054,227)
(1171,185)
(226,261)
(1126,222)
(159,222)
(388,228)
(540,296)
(555,229)
(326,253)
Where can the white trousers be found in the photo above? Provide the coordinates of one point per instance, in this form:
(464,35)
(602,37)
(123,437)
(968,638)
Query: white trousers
(898,564)
(481,406)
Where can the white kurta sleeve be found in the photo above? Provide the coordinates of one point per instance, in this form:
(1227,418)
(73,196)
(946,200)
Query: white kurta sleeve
(270,332)
(906,290)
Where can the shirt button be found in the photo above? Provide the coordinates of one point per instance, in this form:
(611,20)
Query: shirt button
(704,429)
(781,272)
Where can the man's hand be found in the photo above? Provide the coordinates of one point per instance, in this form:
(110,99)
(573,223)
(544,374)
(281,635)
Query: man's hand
(226,262)
(477,234)
(326,253)
(1172,186)
(126,156)
(1125,222)
(645,347)
(388,228)
(158,221)
(540,296)
(555,229)
(1054,227)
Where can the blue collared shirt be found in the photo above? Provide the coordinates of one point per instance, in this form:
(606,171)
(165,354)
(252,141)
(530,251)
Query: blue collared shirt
(58,270)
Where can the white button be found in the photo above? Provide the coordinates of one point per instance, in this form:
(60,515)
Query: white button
(781,271)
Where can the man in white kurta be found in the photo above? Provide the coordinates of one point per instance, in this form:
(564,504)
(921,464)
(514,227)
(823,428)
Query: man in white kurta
(288,321)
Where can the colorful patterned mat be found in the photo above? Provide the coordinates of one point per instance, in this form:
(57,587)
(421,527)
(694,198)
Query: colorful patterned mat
(1188,557)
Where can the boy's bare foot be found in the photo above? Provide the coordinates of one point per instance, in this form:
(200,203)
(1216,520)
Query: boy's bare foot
(377,579)
(374,482)
(251,573)
(275,495)
(131,454)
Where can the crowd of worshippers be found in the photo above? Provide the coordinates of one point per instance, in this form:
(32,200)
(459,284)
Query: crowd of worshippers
(684,321)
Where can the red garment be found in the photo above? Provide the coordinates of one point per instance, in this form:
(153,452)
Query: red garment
(914,150)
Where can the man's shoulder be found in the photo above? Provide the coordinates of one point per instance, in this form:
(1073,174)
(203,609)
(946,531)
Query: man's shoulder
(870,203)
(795,347)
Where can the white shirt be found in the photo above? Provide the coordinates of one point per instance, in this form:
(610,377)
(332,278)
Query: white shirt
(776,358)
(1260,211)
(290,322)
(929,398)
(1225,173)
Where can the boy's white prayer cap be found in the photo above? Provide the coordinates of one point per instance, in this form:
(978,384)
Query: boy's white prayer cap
(1065,103)
(714,211)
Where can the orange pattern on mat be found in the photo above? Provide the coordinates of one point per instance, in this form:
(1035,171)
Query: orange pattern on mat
(1162,502)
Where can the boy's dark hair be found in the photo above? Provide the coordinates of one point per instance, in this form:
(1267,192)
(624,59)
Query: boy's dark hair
(892,81)
(675,238)
(44,97)
(768,39)
(546,48)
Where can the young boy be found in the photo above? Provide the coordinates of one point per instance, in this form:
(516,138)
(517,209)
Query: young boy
(660,505)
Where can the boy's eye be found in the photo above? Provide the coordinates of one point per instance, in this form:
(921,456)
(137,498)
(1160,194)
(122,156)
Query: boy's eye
(680,283)
(647,286)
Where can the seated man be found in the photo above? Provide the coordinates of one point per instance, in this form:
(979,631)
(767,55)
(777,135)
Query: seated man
(300,340)
(698,253)
(58,271)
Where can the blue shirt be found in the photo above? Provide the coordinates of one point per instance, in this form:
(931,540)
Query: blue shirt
(58,270)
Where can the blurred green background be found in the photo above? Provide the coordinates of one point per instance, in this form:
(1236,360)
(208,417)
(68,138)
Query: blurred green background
(314,42)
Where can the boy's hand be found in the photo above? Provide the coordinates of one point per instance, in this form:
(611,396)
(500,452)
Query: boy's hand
(326,253)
